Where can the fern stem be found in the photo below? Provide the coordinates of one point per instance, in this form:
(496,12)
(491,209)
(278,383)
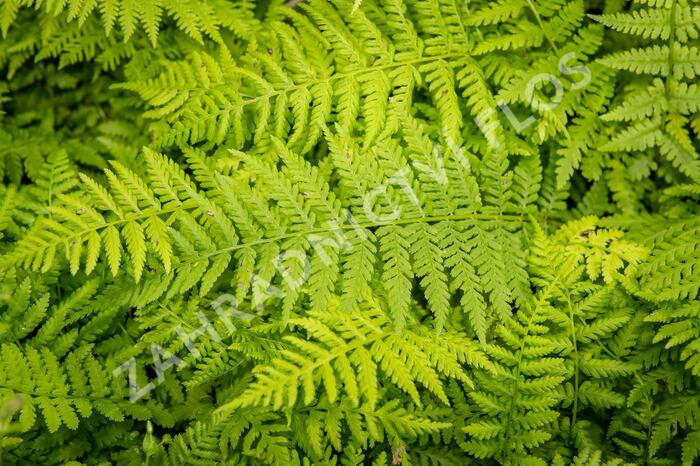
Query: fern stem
(426,219)
(569,305)
(514,391)
(342,76)
(539,22)
(368,225)
(576,358)
(671,55)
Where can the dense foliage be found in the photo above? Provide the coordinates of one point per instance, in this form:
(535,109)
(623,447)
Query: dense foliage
(350,232)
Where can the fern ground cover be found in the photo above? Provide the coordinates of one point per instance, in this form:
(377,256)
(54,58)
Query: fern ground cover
(350,232)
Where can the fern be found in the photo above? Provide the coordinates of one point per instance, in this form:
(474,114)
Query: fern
(517,403)
(664,101)
(354,364)
(194,18)
(176,214)
(61,394)
(366,78)
(349,232)
(676,255)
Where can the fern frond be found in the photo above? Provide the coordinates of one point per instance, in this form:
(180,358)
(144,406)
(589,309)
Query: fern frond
(63,394)
(678,327)
(336,357)
(349,232)
(371,87)
(669,273)
(194,18)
